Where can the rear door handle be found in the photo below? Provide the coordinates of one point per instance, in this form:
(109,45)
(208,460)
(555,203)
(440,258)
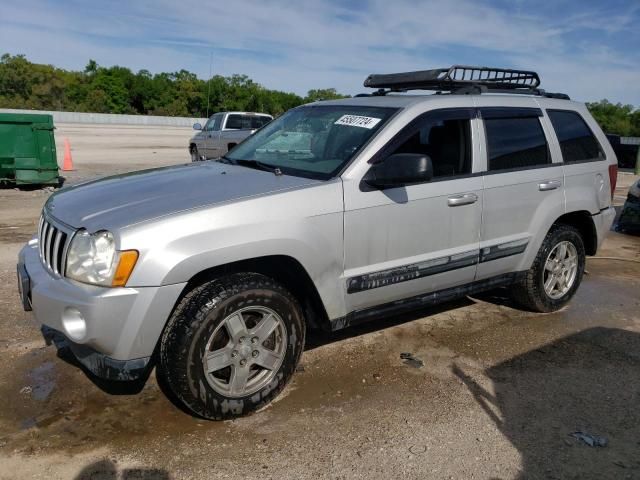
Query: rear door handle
(458,200)
(549,185)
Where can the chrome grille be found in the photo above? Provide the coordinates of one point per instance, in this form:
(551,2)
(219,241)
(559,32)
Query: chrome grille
(53,241)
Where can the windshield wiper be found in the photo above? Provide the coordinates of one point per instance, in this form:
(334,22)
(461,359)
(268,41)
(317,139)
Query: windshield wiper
(258,165)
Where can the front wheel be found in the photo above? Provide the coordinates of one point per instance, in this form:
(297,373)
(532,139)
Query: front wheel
(195,155)
(556,272)
(232,345)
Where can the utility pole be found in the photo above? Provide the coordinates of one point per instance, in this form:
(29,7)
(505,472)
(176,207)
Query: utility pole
(209,82)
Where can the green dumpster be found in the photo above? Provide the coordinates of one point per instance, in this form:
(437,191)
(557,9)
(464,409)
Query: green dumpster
(27,149)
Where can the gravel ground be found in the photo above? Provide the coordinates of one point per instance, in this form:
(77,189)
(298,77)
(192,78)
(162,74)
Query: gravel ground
(499,394)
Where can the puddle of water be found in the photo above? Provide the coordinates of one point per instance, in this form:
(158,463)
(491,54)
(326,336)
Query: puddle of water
(43,381)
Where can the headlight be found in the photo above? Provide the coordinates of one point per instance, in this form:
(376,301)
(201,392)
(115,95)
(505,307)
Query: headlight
(93,258)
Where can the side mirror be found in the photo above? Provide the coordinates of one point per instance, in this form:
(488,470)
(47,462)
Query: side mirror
(399,170)
(197,126)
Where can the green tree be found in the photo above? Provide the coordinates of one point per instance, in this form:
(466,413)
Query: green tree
(616,118)
(323,94)
(24,84)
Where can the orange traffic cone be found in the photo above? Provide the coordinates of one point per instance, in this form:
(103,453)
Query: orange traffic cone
(67,164)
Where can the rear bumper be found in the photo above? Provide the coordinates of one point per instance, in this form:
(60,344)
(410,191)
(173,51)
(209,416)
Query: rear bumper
(107,326)
(603,222)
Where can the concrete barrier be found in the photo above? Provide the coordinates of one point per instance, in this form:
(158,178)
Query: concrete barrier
(112,118)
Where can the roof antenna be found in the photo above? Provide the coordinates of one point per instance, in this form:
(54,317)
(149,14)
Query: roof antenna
(209,81)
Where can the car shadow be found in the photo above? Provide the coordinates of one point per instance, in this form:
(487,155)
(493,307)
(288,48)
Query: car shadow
(584,385)
(108,470)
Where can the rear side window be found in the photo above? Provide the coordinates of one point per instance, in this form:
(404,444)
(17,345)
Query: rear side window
(515,143)
(246,122)
(259,121)
(577,143)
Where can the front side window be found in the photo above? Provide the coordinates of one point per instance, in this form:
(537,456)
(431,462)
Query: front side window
(316,141)
(446,142)
(515,143)
(214,123)
(577,143)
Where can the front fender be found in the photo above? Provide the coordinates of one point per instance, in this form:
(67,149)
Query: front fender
(178,248)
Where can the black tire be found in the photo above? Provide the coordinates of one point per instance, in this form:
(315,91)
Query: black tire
(195,155)
(529,292)
(186,335)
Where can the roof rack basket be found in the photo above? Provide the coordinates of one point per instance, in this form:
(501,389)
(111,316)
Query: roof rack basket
(461,79)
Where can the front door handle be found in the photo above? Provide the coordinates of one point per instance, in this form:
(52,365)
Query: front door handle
(549,185)
(458,200)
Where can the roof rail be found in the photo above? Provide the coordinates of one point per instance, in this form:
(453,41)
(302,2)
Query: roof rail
(461,79)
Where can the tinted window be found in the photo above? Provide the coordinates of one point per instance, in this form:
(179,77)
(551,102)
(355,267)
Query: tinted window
(447,142)
(515,143)
(576,140)
(259,121)
(246,122)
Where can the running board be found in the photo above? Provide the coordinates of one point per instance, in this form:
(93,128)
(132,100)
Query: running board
(421,301)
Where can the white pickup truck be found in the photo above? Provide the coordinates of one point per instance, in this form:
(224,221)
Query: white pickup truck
(222,132)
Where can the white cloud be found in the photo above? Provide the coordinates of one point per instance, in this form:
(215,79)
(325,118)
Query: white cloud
(324,44)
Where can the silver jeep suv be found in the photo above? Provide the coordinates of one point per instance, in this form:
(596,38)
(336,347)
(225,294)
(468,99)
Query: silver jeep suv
(336,213)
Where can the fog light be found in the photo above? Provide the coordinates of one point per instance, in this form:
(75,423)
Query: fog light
(74,324)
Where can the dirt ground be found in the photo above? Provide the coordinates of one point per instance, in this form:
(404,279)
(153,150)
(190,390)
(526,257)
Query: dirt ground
(498,396)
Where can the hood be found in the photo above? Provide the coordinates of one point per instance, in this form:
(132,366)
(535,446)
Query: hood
(115,202)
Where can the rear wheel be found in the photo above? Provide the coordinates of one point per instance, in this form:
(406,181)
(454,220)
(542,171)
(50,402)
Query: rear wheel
(232,345)
(556,272)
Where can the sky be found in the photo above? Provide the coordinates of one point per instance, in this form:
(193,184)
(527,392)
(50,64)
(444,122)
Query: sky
(587,49)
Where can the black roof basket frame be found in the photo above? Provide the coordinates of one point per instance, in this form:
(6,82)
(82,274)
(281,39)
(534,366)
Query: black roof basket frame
(461,79)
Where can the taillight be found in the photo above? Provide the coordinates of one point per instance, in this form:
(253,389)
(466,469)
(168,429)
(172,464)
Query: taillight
(613,178)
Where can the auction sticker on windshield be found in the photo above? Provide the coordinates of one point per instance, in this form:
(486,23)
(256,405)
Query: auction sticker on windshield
(357,121)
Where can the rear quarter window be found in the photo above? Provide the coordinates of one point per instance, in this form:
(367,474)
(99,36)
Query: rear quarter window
(577,142)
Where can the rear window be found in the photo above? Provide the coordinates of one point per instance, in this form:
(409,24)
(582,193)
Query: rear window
(577,143)
(246,122)
(515,143)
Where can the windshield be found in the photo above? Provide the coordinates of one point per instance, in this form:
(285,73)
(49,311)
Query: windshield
(313,141)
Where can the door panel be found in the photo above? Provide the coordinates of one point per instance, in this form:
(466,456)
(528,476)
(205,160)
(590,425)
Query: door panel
(211,136)
(523,189)
(213,144)
(517,208)
(411,240)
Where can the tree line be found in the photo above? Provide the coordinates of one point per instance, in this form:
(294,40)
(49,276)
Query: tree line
(28,85)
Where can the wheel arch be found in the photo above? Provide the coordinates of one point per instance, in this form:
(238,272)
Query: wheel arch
(583,222)
(284,269)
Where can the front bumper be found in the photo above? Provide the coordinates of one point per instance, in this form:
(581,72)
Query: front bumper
(108,328)
(97,363)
